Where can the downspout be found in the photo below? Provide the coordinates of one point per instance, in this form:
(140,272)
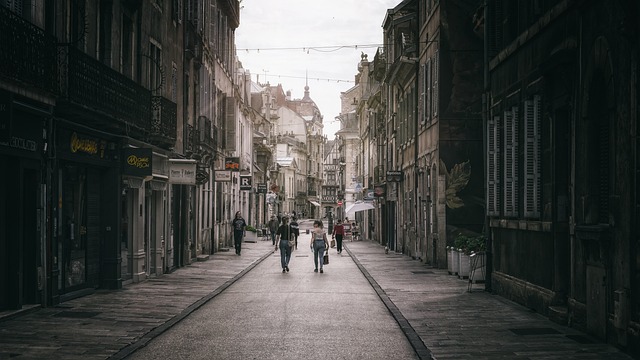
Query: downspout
(485,118)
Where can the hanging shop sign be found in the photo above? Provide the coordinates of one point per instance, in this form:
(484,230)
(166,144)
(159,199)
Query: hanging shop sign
(182,171)
(222,176)
(262,188)
(137,162)
(245,182)
(394,176)
(232,164)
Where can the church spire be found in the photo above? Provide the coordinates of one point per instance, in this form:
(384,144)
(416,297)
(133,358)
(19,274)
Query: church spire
(306,86)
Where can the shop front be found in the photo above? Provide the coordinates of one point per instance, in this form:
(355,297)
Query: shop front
(85,226)
(22,235)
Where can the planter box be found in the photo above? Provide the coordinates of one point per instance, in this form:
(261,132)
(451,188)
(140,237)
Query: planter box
(478,268)
(464,265)
(454,260)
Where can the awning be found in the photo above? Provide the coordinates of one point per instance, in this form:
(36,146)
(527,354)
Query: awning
(315,203)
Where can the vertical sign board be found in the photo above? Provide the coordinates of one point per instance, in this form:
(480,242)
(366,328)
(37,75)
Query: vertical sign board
(245,182)
(182,171)
(262,188)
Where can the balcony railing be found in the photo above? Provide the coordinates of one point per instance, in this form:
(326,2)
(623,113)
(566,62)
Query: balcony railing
(27,54)
(88,85)
(189,145)
(206,137)
(164,121)
(312,193)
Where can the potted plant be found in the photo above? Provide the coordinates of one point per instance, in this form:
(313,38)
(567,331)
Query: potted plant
(477,247)
(461,243)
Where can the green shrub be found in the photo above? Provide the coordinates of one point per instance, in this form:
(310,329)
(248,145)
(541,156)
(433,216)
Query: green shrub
(250,228)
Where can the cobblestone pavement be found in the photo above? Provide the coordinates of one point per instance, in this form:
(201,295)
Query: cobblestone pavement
(439,316)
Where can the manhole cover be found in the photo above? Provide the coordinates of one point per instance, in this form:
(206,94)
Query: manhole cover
(581,339)
(77,314)
(422,272)
(535,331)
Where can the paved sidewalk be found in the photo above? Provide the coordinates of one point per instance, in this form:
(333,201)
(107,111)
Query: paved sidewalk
(439,316)
(456,324)
(115,322)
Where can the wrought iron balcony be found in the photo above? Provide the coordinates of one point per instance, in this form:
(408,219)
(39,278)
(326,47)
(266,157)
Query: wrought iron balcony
(312,193)
(28,55)
(88,86)
(190,141)
(205,138)
(164,121)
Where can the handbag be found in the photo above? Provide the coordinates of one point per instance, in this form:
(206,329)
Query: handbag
(333,243)
(292,242)
(325,259)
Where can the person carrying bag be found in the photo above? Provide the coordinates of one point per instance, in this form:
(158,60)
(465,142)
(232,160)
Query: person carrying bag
(318,245)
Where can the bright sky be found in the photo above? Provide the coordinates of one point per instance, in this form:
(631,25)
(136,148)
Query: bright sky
(323,39)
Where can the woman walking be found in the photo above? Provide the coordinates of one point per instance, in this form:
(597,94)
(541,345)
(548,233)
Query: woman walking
(284,233)
(338,234)
(318,244)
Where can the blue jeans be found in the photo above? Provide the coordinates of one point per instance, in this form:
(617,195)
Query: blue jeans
(285,253)
(273,237)
(318,253)
(237,240)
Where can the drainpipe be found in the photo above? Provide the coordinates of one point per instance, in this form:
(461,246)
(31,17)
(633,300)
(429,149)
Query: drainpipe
(485,118)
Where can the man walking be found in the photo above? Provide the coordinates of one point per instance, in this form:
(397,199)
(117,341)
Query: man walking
(273,228)
(238,224)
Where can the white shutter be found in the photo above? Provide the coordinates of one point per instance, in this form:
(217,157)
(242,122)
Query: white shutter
(230,123)
(493,166)
(532,158)
(511,162)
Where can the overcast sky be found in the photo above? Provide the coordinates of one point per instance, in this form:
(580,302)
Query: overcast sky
(313,32)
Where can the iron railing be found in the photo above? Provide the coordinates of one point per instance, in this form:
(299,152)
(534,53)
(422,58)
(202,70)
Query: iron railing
(92,86)
(28,54)
(164,121)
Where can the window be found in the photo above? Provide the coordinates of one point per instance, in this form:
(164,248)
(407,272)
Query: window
(493,166)
(532,157)
(426,93)
(155,67)
(127,46)
(511,162)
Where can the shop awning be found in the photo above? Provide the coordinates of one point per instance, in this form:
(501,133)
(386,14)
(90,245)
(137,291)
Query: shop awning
(315,203)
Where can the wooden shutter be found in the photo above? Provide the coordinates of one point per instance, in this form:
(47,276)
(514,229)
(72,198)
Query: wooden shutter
(436,69)
(230,123)
(426,94)
(532,158)
(493,166)
(511,162)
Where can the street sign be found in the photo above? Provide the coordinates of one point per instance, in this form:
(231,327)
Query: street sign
(245,182)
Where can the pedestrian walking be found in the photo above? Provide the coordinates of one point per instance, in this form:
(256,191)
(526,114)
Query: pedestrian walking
(318,245)
(273,227)
(338,234)
(239,225)
(295,232)
(284,235)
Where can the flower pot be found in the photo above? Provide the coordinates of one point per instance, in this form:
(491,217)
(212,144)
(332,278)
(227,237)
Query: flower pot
(464,265)
(455,262)
(478,268)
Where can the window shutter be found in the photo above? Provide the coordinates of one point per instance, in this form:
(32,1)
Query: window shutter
(511,162)
(230,123)
(493,166)
(436,69)
(532,157)
(427,91)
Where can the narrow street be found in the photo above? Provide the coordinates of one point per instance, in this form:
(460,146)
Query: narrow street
(268,314)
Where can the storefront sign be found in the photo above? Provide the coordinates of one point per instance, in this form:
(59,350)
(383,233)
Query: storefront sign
(223,176)
(245,182)
(137,162)
(182,171)
(232,164)
(262,188)
(394,176)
